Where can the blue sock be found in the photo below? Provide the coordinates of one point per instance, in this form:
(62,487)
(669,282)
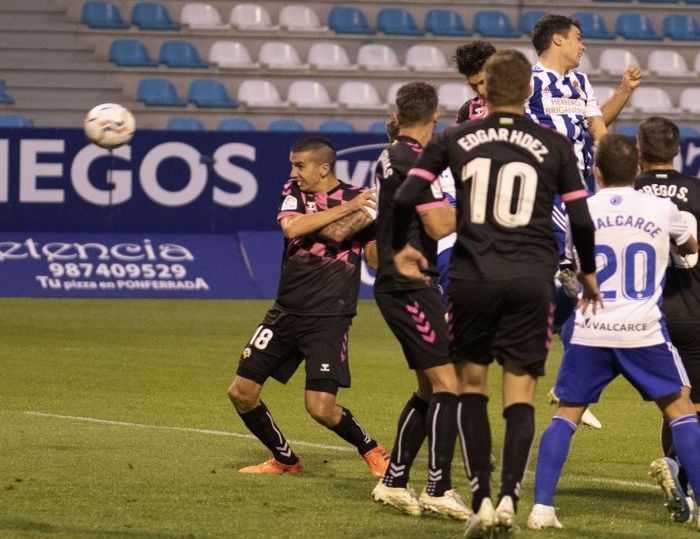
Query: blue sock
(554,448)
(686,440)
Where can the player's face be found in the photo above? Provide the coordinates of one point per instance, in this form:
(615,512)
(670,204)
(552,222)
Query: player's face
(573,47)
(308,173)
(477,83)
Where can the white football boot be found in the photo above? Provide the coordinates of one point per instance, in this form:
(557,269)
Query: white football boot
(450,504)
(483,523)
(404,499)
(543,516)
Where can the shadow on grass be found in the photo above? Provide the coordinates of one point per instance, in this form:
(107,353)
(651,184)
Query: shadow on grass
(33,526)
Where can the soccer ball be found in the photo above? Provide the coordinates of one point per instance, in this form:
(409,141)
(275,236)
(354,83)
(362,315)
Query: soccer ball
(109,125)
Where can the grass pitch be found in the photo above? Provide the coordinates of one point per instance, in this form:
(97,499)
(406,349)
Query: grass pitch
(114,422)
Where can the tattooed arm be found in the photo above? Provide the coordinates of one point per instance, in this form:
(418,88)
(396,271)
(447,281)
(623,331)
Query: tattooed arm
(345,227)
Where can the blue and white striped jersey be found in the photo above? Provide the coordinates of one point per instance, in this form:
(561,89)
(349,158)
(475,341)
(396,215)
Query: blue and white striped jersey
(564,103)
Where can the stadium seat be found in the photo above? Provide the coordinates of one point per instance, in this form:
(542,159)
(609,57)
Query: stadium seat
(687,131)
(210,93)
(658,1)
(529,53)
(176,53)
(259,93)
(309,94)
(328,55)
(636,26)
(392,91)
(696,64)
(201,16)
(592,25)
(98,14)
(493,24)
(159,92)
(441,126)
(426,58)
(603,92)
(681,28)
(667,63)
(378,57)
(377,127)
(279,55)
(287,125)
(5,98)
(615,61)
(397,21)
(348,20)
(359,95)
(690,100)
(452,95)
(130,53)
(14,120)
(629,130)
(184,123)
(231,54)
(336,126)
(528,20)
(445,22)
(300,18)
(649,100)
(586,66)
(152,16)
(236,124)
(251,17)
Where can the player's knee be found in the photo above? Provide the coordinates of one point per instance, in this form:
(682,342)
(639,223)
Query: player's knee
(321,412)
(242,399)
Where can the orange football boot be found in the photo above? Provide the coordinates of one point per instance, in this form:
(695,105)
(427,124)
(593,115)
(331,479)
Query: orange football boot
(273,466)
(378,460)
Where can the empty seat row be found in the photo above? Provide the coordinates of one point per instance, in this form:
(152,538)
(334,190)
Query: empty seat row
(663,63)
(654,100)
(14,120)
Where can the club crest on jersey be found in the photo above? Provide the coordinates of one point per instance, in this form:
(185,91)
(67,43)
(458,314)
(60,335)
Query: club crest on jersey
(310,205)
(290,203)
(575,84)
(546,90)
(246,352)
(616,200)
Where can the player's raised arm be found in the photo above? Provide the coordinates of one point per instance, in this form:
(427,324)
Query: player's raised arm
(631,79)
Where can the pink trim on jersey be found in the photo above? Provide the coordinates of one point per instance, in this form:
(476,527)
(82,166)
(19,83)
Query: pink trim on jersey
(318,249)
(422,173)
(574,195)
(286,213)
(338,195)
(430,205)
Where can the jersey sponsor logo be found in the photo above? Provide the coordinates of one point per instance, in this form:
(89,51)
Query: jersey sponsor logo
(290,203)
(588,323)
(563,105)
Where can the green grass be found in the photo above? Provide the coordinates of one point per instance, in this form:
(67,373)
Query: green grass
(169,363)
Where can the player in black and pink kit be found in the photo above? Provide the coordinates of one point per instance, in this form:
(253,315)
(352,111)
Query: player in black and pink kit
(325,222)
(508,170)
(415,314)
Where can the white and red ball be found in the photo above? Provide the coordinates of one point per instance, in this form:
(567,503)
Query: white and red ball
(109,125)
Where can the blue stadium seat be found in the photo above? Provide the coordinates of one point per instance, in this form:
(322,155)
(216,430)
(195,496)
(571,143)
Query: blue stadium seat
(528,20)
(629,130)
(658,1)
(152,16)
(336,126)
(159,92)
(377,127)
(397,21)
(692,1)
(615,1)
(636,26)
(592,25)
(177,53)
(14,120)
(287,125)
(184,123)
(236,124)
(5,98)
(445,22)
(681,28)
(688,131)
(130,53)
(210,93)
(441,126)
(98,14)
(348,20)
(493,24)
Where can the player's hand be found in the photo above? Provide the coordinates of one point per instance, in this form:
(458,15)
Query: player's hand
(410,262)
(366,201)
(591,296)
(632,77)
(568,281)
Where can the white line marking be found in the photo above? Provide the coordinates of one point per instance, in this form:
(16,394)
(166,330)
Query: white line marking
(582,478)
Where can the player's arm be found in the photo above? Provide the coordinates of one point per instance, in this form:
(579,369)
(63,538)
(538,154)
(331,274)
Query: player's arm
(371,254)
(684,243)
(298,225)
(631,78)
(347,226)
(439,221)
(596,127)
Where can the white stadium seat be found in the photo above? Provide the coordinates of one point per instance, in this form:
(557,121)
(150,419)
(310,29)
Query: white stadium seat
(615,61)
(586,66)
(309,94)
(359,95)
(377,57)
(201,16)
(690,100)
(327,55)
(279,55)
(230,54)
(696,65)
(666,63)
(259,93)
(529,53)
(426,58)
(452,95)
(300,18)
(391,93)
(649,100)
(603,93)
(251,17)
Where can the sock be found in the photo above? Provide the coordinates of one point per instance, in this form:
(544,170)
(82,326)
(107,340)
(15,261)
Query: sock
(410,434)
(442,435)
(686,439)
(349,429)
(475,438)
(670,451)
(259,421)
(554,448)
(520,431)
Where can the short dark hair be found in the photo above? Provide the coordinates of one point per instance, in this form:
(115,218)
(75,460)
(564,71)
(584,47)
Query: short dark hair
(658,139)
(470,58)
(617,158)
(547,26)
(507,76)
(323,149)
(416,103)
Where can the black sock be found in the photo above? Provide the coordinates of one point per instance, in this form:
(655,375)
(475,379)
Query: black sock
(475,438)
(442,434)
(410,434)
(259,421)
(350,430)
(520,431)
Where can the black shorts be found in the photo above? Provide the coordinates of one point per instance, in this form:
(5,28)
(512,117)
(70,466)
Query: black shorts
(506,320)
(417,319)
(685,336)
(282,341)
